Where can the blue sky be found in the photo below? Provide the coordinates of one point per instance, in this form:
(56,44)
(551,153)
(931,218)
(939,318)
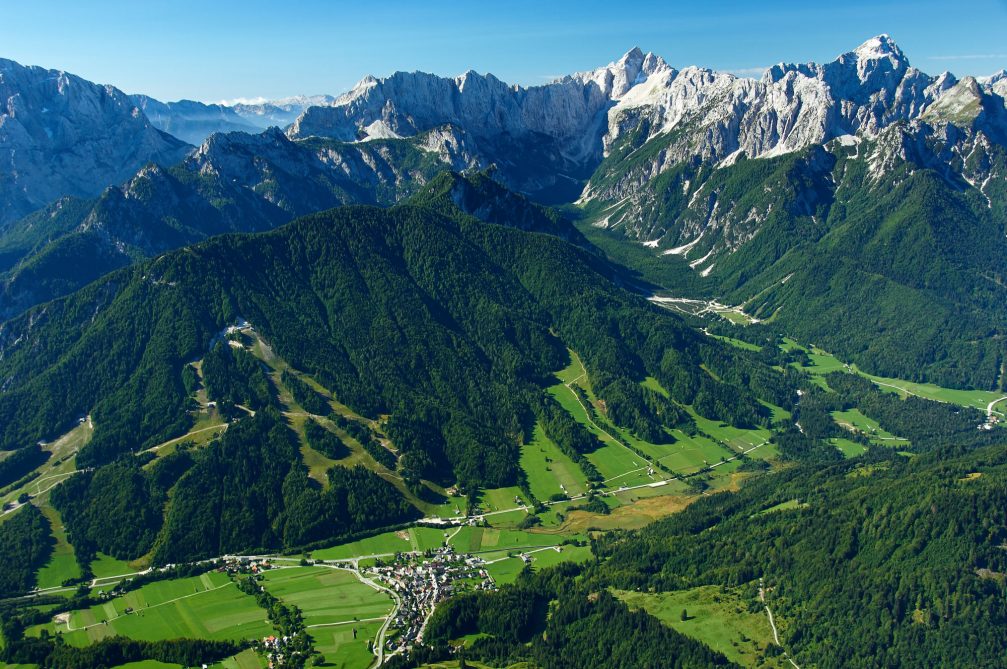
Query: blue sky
(220,49)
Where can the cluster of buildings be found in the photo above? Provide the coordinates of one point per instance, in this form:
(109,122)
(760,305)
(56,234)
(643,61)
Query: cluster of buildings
(278,649)
(235,565)
(421,581)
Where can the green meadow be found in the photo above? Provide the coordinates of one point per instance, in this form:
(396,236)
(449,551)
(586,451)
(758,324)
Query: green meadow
(327,595)
(202,607)
(549,470)
(718,617)
(412,539)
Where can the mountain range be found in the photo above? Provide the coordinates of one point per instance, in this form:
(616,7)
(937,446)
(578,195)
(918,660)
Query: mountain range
(732,185)
(599,315)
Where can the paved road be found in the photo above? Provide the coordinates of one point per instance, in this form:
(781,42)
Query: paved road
(989,407)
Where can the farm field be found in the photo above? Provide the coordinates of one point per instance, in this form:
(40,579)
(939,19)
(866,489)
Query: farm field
(106,567)
(246,659)
(340,649)
(209,606)
(501,499)
(412,539)
(717,617)
(849,449)
(326,595)
(488,539)
(505,569)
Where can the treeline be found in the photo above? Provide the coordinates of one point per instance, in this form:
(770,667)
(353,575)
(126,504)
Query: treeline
(641,410)
(25,547)
(53,653)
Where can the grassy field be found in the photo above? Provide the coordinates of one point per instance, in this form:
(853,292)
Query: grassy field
(327,596)
(718,618)
(850,449)
(489,539)
(500,499)
(867,426)
(63,563)
(413,539)
(105,567)
(823,362)
(203,607)
(549,470)
(738,343)
(246,659)
(789,505)
(505,570)
(339,647)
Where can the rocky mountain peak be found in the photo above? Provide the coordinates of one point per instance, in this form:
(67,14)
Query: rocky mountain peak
(878,47)
(63,135)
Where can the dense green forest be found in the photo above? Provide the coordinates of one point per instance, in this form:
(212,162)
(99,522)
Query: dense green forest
(891,560)
(449,324)
(234,376)
(323,441)
(116,509)
(25,546)
(249,490)
(550,619)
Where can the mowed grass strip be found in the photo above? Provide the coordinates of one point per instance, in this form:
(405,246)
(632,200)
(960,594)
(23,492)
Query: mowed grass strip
(849,449)
(326,595)
(169,610)
(63,563)
(868,426)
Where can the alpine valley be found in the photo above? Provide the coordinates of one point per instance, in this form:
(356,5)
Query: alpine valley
(642,367)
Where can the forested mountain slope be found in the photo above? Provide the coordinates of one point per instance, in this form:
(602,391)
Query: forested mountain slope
(234,182)
(889,251)
(450,325)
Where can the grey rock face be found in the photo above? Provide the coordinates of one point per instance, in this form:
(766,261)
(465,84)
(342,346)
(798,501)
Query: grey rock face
(577,121)
(62,135)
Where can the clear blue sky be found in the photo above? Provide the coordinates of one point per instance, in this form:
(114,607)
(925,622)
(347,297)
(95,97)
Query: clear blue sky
(221,49)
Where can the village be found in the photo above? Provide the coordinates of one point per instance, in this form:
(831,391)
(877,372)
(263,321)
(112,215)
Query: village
(420,581)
